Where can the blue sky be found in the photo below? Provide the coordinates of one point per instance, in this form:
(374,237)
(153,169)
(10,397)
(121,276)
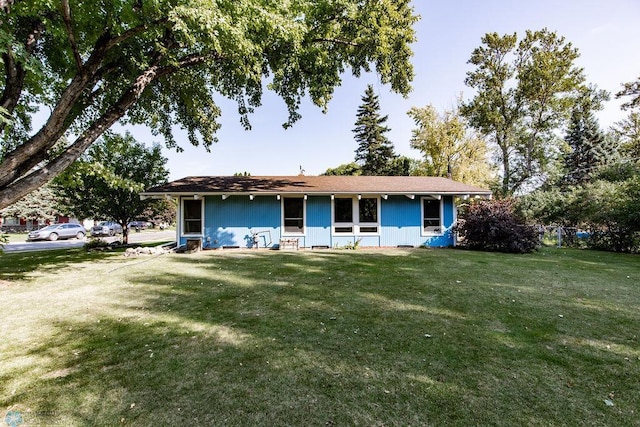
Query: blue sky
(606,33)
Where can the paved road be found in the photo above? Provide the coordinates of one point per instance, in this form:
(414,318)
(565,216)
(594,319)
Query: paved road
(146,237)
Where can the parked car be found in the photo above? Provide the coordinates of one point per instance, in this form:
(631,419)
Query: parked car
(106,228)
(58,231)
(138,225)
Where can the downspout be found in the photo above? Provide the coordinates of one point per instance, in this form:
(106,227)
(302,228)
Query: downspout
(178,221)
(455,219)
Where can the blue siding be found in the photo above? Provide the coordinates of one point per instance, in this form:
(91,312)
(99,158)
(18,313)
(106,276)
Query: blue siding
(318,224)
(231,222)
(401,220)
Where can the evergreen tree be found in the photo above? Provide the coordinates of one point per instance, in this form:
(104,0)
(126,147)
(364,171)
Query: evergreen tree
(588,148)
(375,152)
(41,204)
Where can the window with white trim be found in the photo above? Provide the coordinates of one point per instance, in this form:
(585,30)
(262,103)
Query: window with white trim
(343,215)
(293,215)
(11,220)
(191,216)
(368,215)
(431,216)
(356,216)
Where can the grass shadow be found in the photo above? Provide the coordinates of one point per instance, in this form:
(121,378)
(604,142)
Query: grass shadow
(333,338)
(21,265)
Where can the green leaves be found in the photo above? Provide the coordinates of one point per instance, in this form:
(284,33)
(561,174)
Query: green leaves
(448,147)
(162,64)
(630,89)
(42,204)
(105,183)
(524,93)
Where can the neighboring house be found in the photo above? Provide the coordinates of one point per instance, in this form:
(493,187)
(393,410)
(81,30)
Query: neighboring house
(315,211)
(15,224)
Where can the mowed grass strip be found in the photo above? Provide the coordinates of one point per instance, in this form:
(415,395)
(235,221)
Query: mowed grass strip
(392,337)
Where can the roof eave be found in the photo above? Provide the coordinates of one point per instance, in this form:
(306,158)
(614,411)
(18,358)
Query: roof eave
(176,194)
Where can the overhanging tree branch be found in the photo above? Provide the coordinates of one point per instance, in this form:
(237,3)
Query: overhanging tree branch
(15,71)
(26,156)
(234,63)
(335,41)
(132,32)
(68,23)
(42,175)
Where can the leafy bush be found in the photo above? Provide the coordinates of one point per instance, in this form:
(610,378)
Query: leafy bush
(609,209)
(493,225)
(614,239)
(95,243)
(614,215)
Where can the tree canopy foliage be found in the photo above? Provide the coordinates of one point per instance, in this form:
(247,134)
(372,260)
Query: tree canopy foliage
(608,207)
(162,63)
(525,90)
(627,131)
(41,204)
(349,169)
(106,181)
(631,89)
(449,148)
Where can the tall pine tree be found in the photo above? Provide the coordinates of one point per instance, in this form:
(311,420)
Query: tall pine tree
(588,148)
(375,152)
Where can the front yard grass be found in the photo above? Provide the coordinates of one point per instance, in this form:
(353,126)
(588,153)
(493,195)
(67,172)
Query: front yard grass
(16,237)
(315,338)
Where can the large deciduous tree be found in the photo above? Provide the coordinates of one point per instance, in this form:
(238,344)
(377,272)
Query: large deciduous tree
(524,92)
(627,131)
(106,181)
(348,169)
(161,63)
(375,152)
(630,89)
(449,148)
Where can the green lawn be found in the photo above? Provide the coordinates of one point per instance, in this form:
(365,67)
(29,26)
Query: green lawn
(16,237)
(316,338)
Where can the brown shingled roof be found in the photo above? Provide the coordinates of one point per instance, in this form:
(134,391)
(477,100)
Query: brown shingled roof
(204,185)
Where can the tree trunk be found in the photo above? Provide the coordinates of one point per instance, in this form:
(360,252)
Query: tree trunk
(506,170)
(17,174)
(14,190)
(125,234)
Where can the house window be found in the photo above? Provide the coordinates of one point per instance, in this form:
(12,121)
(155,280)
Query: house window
(293,209)
(368,214)
(11,220)
(364,210)
(343,215)
(431,216)
(191,216)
